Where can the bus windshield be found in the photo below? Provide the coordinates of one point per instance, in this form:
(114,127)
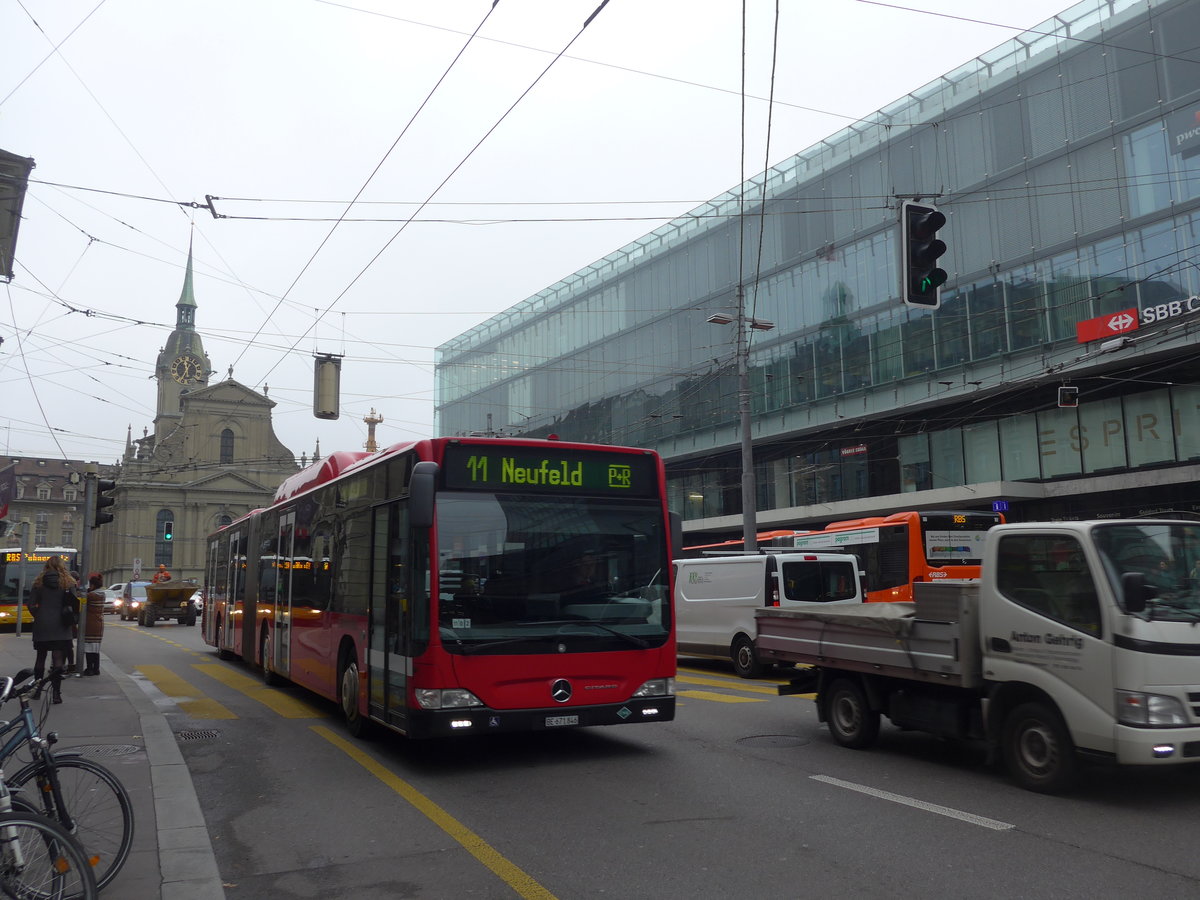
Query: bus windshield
(550,574)
(955,538)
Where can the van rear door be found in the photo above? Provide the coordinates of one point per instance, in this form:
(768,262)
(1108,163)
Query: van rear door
(820,581)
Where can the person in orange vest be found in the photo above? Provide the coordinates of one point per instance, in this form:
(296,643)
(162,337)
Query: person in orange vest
(161,575)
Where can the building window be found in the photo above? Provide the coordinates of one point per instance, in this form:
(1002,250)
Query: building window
(70,495)
(43,492)
(227,446)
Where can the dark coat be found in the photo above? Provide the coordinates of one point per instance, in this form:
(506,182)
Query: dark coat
(93,628)
(46,603)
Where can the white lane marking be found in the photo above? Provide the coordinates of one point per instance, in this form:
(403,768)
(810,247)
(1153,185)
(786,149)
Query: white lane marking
(982,821)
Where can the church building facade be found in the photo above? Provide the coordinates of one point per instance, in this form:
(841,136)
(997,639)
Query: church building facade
(212,457)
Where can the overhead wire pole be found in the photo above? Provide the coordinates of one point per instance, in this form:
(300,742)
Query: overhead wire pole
(749,500)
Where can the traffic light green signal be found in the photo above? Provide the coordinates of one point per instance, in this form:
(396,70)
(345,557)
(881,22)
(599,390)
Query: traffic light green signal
(921,279)
(168,531)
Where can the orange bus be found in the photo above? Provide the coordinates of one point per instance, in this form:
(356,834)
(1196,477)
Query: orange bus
(17,572)
(896,550)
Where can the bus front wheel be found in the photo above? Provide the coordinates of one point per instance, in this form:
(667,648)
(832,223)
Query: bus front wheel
(266,669)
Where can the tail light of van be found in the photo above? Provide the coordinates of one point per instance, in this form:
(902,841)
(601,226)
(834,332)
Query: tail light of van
(774,596)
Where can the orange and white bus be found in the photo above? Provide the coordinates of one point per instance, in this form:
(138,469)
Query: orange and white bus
(896,550)
(459,586)
(17,572)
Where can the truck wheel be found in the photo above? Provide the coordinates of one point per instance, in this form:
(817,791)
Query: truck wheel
(851,720)
(1038,750)
(745,660)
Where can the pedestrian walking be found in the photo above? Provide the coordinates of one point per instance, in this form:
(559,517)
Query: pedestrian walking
(55,613)
(93,624)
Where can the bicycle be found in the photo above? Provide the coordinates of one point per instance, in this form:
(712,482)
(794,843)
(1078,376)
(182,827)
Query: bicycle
(39,859)
(78,793)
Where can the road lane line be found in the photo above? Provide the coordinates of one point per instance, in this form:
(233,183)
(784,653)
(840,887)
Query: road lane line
(287,706)
(511,874)
(187,697)
(969,818)
(750,687)
(719,698)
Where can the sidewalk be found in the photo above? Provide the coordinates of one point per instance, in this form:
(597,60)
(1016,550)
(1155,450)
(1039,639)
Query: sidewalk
(113,721)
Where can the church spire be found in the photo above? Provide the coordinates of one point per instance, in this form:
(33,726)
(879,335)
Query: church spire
(187,297)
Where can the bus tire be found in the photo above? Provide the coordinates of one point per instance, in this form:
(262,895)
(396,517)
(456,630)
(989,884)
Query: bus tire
(265,668)
(746,663)
(348,684)
(1038,750)
(851,720)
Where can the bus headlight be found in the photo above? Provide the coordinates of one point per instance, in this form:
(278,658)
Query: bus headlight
(657,687)
(1149,710)
(445,698)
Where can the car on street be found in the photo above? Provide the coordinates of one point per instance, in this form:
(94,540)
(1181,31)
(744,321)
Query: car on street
(132,598)
(112,601)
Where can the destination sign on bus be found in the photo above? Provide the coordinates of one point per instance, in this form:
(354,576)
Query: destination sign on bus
(553,470)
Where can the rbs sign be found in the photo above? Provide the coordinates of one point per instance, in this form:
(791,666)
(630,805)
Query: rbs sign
(1126,320)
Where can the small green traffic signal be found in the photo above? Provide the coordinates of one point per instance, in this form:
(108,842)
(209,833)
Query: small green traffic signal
(921,279)
(168,530)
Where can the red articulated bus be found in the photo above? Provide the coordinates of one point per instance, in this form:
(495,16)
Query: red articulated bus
(459,586)
(895,551)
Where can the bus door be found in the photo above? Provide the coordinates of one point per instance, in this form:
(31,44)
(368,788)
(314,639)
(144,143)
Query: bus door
(389,642)
(235,593)
(281,639)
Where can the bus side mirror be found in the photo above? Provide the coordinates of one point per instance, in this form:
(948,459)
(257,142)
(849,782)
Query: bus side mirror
(1134,592)
(421,492)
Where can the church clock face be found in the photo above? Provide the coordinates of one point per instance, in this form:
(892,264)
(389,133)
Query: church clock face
(187,370)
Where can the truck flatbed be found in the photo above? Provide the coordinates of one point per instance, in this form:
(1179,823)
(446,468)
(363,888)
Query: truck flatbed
(934,641)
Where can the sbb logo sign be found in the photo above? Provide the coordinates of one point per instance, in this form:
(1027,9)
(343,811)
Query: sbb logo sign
(1113,324)
(1170,310)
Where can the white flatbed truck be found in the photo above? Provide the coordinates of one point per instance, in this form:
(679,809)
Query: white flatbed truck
(1080,640)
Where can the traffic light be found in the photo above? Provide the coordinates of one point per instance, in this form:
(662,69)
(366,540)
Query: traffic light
(168,530)
(920,278)
(103,485)
(1068,396)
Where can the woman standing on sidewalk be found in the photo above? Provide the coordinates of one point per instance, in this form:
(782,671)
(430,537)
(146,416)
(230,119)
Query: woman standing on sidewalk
(50,601)
(93,627)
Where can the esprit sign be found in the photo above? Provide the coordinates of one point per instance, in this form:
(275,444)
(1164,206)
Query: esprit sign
(1131,319)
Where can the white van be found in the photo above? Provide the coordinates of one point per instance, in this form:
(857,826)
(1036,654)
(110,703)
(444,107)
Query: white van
(715,598)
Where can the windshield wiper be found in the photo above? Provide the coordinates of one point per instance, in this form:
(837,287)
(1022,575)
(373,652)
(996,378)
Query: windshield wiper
(638,642)
(1182,609)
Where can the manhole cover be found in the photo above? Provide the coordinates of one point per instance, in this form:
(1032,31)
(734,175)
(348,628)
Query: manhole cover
(108,749)
(203,734)
(773,740)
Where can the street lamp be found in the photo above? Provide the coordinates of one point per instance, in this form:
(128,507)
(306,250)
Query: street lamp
(744,325)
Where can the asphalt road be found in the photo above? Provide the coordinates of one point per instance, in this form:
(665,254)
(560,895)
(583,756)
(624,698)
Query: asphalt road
(744,794)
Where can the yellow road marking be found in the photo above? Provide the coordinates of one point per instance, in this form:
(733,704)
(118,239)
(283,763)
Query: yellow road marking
(738,685)
(188,698)
(720,698)
(287,706)
(511,874)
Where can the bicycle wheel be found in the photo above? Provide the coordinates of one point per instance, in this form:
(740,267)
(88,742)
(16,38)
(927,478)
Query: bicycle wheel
(97,809)
(40,861)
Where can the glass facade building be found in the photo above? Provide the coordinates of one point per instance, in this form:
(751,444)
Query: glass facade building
(1067,162)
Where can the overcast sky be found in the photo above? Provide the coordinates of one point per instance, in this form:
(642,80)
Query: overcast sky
(134,110)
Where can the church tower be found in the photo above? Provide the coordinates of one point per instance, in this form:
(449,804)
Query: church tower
(182,364)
